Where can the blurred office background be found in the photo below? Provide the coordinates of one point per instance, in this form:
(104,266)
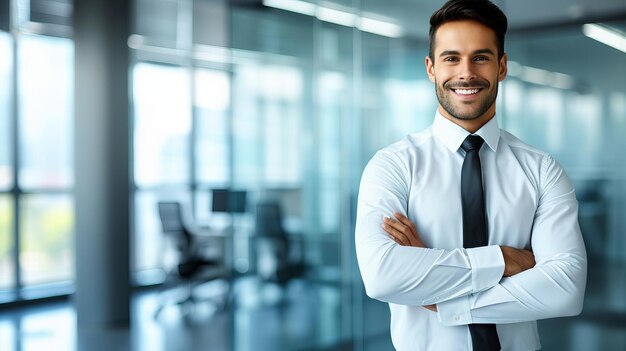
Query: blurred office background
(284,101)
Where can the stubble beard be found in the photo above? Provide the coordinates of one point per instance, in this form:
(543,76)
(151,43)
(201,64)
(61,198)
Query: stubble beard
(444,97)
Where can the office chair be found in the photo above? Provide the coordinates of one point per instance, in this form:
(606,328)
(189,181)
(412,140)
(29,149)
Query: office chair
(275,254)
(193,266)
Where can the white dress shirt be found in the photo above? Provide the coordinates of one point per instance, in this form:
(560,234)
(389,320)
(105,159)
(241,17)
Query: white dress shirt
(530,203)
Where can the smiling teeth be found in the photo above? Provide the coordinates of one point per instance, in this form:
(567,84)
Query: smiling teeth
(466,91)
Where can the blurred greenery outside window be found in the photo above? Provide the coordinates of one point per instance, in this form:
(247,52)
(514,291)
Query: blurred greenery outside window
(47,250)
(6,243)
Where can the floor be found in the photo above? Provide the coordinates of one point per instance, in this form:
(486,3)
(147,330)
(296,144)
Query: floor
(304,317)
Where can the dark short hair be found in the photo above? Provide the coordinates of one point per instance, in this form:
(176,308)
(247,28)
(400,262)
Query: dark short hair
(481,11)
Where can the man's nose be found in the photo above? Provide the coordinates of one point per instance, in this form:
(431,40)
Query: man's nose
(466,70)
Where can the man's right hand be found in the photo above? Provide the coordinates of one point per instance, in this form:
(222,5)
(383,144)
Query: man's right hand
(516,260)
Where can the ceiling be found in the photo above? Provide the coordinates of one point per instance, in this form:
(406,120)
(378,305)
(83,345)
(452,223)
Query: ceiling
(414,15)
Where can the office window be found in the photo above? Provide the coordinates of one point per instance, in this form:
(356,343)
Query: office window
(162,157)
(39,200)
(6,149)
(162,124)
(247,155)
(267,125)
(406,114)
(281,90)
(47,234)
(585,130)
(333,108)
(212,101)
(543,108)
(45,83)
(7,267)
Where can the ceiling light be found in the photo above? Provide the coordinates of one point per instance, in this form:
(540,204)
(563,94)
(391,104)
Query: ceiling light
(606,35)
(379,27)
(541,76)
(340,17)
(336,16)
(298,6)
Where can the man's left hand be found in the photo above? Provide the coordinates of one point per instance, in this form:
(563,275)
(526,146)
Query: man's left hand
(402,230)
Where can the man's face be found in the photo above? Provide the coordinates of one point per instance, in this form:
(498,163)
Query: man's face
(466,70)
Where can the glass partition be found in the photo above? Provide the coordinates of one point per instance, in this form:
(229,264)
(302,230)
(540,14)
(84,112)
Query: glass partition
(162,124)
(212,105)
(6,122)
(162,164)
(45,98)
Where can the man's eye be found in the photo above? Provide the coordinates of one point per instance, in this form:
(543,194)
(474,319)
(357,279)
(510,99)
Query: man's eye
(481,58)
(450,59)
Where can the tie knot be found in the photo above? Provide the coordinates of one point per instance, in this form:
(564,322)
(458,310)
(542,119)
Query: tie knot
(472,142)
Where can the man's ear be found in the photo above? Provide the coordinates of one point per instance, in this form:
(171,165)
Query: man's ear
(430,68)
(503,67)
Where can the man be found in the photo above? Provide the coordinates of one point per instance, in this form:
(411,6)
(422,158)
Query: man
(469,234)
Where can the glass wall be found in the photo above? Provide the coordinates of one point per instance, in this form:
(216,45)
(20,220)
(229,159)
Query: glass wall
(6,125)
(7,262)
(161,97)
(45,104)
(36,166)
(45,115)
(182,103)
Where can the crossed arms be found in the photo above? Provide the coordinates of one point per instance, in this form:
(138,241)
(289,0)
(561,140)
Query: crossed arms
(403,231)
(491,284)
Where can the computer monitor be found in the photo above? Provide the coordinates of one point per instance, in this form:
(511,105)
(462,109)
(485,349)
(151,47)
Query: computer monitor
(228,201)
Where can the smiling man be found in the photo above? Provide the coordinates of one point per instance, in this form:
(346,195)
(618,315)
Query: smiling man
(468,233)
(466,71)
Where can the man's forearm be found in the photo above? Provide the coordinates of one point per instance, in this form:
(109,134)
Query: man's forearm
(516,260)
(420,276)
(552,289)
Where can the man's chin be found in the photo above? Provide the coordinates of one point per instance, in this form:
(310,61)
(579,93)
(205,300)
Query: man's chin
(464,115)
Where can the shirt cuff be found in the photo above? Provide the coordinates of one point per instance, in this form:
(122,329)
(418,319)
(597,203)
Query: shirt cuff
(487,264)
(455,311)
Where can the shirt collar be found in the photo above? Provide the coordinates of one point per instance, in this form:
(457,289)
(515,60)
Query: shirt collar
(452,135)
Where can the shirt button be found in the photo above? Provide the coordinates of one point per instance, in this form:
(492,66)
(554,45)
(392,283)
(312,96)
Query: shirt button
(456,318)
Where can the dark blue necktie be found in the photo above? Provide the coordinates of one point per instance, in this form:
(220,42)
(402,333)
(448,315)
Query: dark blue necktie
(484,336)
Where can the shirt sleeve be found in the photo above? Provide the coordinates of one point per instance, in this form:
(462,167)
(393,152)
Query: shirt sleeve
(410,275)
(555,287)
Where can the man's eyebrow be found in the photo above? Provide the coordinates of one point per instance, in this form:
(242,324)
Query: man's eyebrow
(484,51)
(477,52)
(448,52)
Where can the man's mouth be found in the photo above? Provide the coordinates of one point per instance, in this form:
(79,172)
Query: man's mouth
(466,91)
